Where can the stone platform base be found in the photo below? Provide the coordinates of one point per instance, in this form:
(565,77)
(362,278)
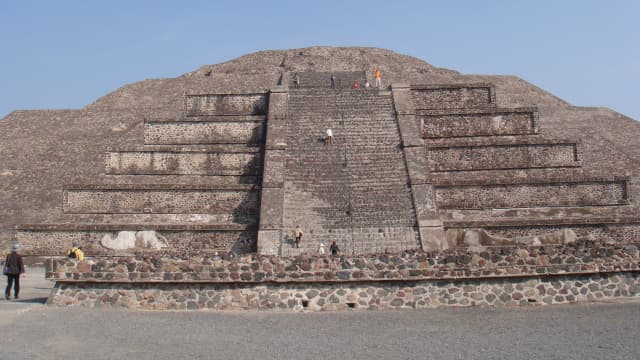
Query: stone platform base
(536,290)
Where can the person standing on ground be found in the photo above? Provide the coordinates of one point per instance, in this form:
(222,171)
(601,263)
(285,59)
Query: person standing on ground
(329,139)
(76,251)
(14,268)
(377,75)
(298,233)
(334,248)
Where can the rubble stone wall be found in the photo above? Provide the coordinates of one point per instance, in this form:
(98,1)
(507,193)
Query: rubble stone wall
(182,163)
(179,243)
(344,296)
(160,201)
(459,97)
(502,157)
(491,276)
(532,195)
(622,233)
(226,104)
(192,133)
(477,123)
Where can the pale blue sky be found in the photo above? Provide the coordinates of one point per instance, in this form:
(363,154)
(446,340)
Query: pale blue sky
(65,54)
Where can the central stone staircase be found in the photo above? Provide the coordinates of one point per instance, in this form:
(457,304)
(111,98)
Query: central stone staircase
(354,191)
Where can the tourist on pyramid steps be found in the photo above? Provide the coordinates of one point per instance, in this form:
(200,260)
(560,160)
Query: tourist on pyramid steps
(321,250)
(328,140)
(334,248)
(13,268)
(296,80)
(333,81)
(366,84)
(356,85)
(377,75)
(76,251)
(298,233)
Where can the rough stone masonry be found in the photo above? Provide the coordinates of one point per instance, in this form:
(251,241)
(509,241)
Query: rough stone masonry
(226,161)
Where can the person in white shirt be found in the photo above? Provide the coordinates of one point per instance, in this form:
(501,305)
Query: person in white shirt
(329,139)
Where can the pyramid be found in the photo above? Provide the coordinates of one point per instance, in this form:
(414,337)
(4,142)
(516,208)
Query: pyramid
(231,158)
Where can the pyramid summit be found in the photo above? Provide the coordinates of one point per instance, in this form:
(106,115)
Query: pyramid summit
(231,158)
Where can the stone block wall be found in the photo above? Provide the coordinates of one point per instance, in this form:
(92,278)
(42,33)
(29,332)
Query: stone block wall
(158,201)
(532,195)
(180,243)
(458,277)
(226,104)
(503,157)
(181,133)
(478,122)
(182,163)
(345,296)
(606,232)
(461,96)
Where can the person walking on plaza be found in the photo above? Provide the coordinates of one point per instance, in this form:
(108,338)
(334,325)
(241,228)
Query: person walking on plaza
(377,75)
(298,233)
(13,268)
(76,251)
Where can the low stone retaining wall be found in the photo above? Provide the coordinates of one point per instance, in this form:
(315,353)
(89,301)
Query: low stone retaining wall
(357,295)
(457,277)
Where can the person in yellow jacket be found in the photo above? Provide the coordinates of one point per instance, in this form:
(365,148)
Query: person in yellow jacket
(76,252)
(298,232)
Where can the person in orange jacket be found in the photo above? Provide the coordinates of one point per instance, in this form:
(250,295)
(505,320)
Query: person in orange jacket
(377,75)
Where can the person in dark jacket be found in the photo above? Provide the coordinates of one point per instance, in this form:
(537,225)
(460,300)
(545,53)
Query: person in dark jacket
(15,268)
